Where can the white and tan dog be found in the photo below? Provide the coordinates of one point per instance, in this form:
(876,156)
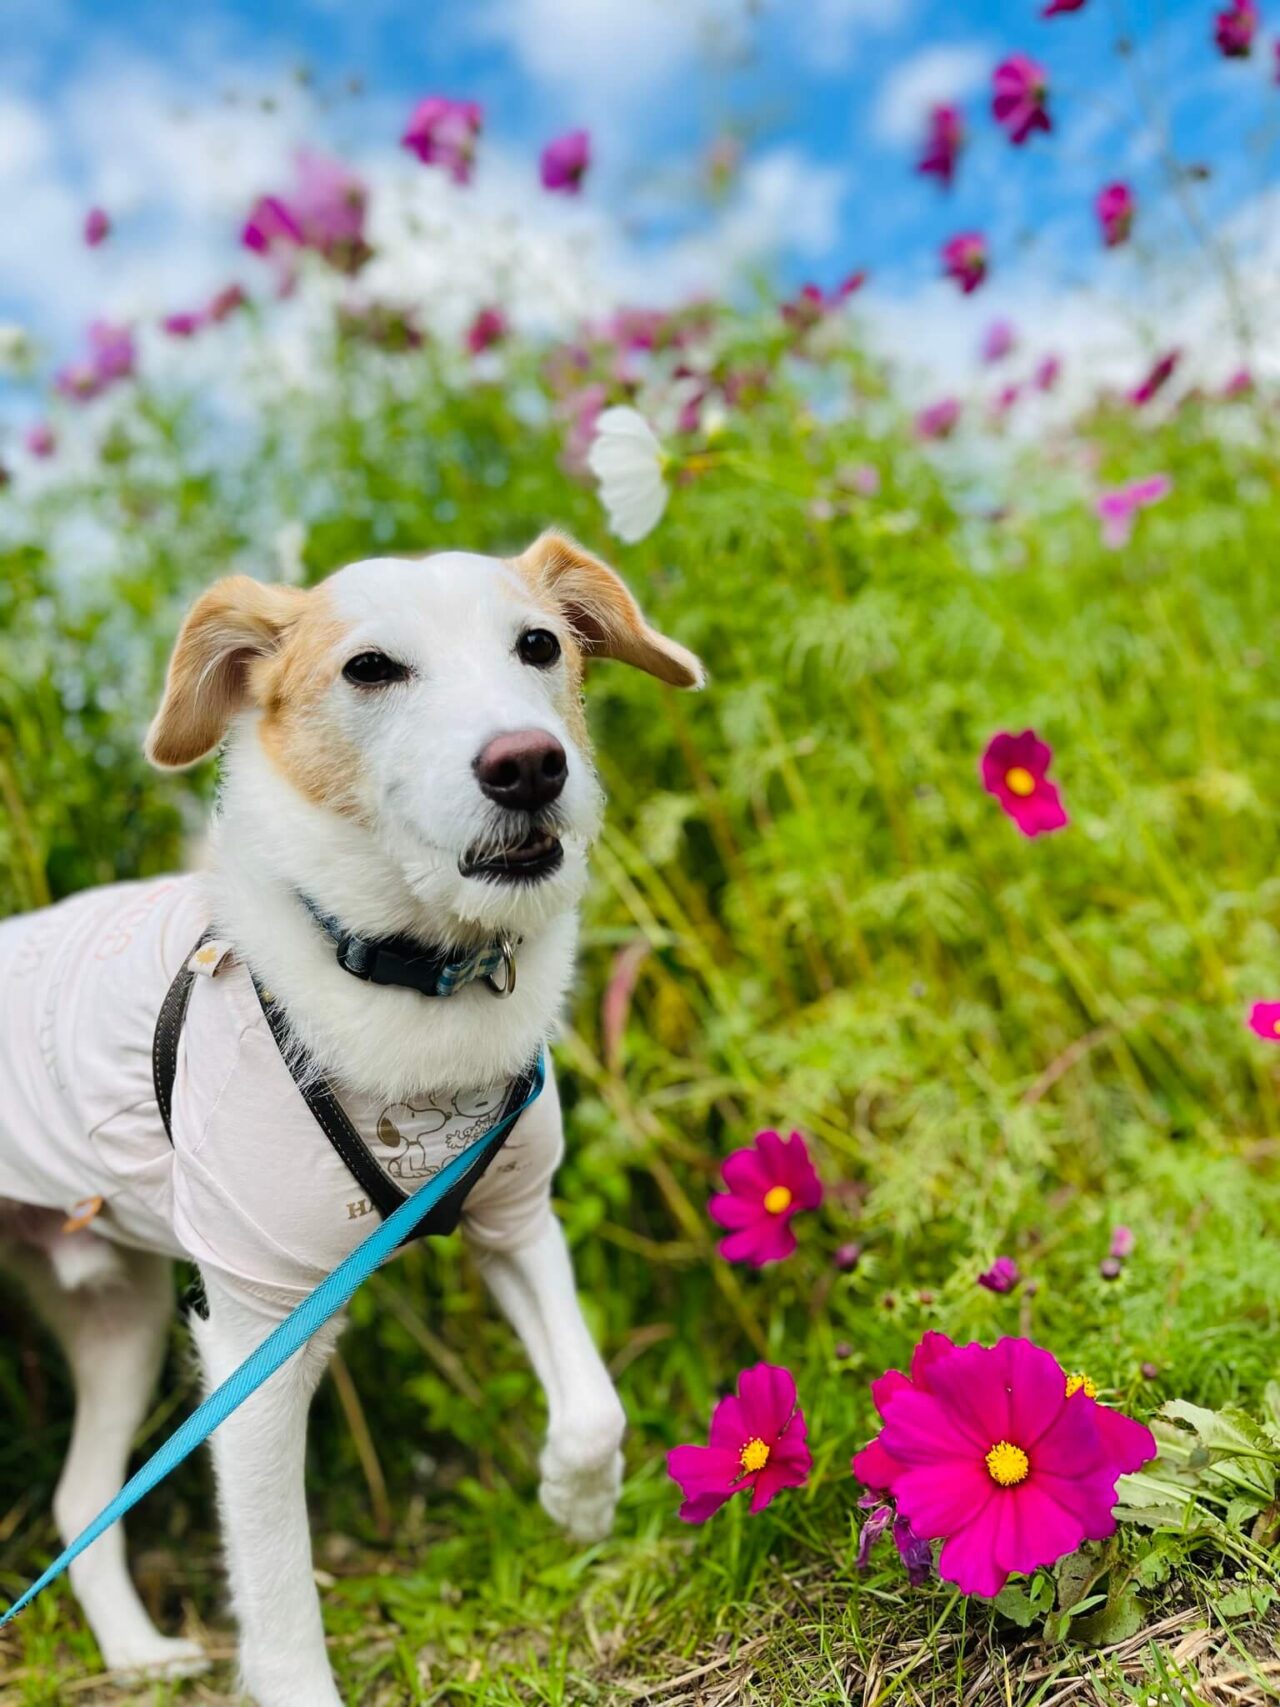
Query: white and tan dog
(407,755)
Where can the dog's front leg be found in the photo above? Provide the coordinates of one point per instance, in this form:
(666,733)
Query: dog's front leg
(581,1462)
(259,1456)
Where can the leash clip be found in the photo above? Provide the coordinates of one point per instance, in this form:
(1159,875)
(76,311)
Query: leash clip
(508,985)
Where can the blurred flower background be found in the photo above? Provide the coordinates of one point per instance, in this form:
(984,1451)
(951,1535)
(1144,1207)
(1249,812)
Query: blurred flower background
(917,362)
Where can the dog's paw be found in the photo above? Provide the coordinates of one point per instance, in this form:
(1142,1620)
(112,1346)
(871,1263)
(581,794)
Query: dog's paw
(158,1657)
(581,1498)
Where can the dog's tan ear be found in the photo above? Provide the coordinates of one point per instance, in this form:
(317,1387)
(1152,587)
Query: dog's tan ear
(605,618)
(236,621)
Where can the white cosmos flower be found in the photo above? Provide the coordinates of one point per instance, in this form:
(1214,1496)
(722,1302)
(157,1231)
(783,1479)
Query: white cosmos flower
(627,461)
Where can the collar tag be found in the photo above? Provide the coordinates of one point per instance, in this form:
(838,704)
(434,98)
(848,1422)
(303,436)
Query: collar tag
(209,959)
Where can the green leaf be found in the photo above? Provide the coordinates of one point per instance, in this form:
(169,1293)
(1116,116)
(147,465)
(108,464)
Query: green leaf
(1015,1604)
(1121,1618)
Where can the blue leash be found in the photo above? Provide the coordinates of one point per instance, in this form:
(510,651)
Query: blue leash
(280,1345)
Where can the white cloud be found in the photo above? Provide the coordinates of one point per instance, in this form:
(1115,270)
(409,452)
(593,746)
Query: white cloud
(948,72)
(826,37)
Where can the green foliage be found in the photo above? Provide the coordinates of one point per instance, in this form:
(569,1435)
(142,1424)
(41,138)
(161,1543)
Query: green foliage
(996,1045)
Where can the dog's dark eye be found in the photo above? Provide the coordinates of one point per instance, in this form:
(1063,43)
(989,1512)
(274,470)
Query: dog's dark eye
(539,647)
(374,670)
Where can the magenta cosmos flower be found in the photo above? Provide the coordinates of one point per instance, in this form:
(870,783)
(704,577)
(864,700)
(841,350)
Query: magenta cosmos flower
(1264,1020)
(488,328)
(811,304)
(757,1441)
(1020,92)
(1115,208)
(998,341)
(1014,770)
(1157,378)
(938,420)
(1118,508)
(1055,7)
(1047,374)
(768,1183)
(1002,1276)
(1235,28)
(40,440)
(97,227)
(111,357)
(1001,1455)
(565,161)
(442,132)
(325,212)
(943,143)
(965,259)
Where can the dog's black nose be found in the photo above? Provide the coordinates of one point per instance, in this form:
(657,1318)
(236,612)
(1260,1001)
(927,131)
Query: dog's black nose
(523,771)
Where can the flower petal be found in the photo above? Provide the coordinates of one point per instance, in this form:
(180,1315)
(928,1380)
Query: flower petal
(767,1394)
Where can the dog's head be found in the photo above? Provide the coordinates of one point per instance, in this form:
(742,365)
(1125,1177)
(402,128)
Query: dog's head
(435,702)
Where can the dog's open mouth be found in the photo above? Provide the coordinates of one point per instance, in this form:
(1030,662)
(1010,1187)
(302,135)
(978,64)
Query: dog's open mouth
(538,855)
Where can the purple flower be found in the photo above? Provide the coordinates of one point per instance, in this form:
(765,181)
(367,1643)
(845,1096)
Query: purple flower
(97,227)
(111,358)
(915,1553)
(1020,93)
(998,340)
(487,329)
(943,142)
(325,213)
(1115,208)
(1117,509)
(184,325)
(1047,374)
(938,420)
(565,161)
(40,441)
(1002,1276)
(1156,379)
(443,132)
(1122,1242)
(965,259)
(1235,28)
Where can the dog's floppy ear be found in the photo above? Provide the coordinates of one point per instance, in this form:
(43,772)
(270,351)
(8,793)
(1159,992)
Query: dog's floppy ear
(236,621)
(606,620)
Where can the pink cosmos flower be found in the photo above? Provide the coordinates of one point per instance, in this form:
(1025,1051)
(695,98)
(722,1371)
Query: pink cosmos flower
(488,328)
(1002,1276)
(1000,1454)
(1115,208)
(1014,769)
(230,298)
(1123,1242)
(1055,7)
(1235,28)
(1047,374)
(111,358)
(1005,399)
(998,340)
(812,304)
(97,227)
(40,440)
(442,132)
(565,161)
(965,259)
(1264,1020)
(1156,379)
(938,420)
(768,1183)
(1020,92)
(943,142)
(184,325)
(1240,384)
(757,1441)
(1117,509)
(325,213)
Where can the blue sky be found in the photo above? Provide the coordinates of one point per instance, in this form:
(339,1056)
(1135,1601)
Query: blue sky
(157,113)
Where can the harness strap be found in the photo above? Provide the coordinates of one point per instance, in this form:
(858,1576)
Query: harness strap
(284,1341)
(329,1114)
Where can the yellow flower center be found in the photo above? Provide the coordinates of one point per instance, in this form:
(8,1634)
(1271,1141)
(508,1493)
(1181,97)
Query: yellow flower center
(1080,1380)
(1020,781)
(1275,1026)
(776,1199)
(1008,1464)
(754,1456)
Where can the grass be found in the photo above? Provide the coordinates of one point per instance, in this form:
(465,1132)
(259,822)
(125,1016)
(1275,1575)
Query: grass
(813,917)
